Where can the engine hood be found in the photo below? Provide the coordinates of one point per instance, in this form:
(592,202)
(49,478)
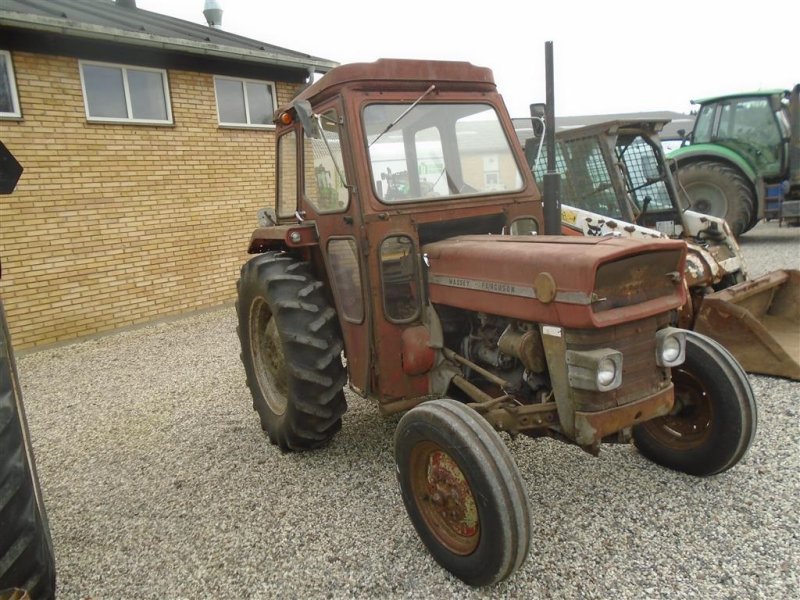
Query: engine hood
(579,282)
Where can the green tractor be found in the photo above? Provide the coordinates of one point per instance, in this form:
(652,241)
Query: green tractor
(742,162)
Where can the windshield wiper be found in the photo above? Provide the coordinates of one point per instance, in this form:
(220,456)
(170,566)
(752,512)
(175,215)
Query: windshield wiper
(403,114)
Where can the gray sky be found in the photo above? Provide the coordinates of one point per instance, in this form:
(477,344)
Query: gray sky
(610,56)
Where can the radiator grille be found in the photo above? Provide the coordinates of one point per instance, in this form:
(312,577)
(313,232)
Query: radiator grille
(641,376)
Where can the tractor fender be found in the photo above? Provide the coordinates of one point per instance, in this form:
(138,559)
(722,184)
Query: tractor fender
(283,237)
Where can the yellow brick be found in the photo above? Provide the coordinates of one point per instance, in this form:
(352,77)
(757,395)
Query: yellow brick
(118,224)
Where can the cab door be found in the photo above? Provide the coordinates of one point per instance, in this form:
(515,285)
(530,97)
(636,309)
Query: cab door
(327,198)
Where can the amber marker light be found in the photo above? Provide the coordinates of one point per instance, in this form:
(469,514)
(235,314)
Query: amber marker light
(286,118)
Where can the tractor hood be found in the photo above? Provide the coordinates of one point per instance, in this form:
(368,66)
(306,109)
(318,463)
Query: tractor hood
(575,282)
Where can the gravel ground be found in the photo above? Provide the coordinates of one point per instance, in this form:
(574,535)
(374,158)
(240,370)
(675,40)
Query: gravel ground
(160,484)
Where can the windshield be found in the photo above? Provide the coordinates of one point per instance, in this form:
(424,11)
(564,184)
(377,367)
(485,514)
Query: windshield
(645,176)
(437,151)
(585,179)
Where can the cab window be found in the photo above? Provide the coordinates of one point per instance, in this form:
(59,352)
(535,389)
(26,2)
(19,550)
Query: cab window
(325,186)
(287,174)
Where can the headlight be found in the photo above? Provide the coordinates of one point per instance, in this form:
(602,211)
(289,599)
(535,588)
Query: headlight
(606,372)
(597,370)
(670,347)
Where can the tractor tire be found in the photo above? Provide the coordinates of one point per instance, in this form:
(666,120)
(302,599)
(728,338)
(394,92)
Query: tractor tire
(721,191)
(462,491)
(27,564)
(291,350)
(713,422)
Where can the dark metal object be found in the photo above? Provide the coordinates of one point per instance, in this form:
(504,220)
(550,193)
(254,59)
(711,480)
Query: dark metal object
(552,180)
(27,563)
(10,170)
(26,551)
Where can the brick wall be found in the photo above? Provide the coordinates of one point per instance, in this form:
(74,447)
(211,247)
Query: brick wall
(113,225)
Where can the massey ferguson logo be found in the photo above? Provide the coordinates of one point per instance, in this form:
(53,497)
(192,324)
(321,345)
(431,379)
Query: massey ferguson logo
(495,287)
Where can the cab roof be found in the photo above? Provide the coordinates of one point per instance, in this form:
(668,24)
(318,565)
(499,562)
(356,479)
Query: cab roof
(404,74)
(773,92)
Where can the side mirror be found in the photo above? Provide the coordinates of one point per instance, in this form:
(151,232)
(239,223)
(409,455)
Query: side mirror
(538,111)
(306,116)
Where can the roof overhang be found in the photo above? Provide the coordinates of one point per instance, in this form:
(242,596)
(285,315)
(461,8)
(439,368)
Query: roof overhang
(66,27)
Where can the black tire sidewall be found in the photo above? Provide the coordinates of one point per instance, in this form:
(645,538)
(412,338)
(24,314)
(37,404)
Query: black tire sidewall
(741,211)
(293,429)
(251,288)
(732,412)
(484,565)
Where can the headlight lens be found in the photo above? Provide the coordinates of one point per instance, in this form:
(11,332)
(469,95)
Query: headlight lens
(671,350)
(606,372)
(670,347)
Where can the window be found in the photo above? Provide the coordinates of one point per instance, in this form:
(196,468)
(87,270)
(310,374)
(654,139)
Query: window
(346,277)
(399,274)
(325,186)
(287,174)
(585,178)
(119,93)
(244,102)
(748,126)
(438,151)
(9,103)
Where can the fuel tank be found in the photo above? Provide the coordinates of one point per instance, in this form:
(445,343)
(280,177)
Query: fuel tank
(575,282)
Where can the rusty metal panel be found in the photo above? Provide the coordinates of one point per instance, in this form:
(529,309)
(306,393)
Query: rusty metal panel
(592,427)
(388,74)
(758,321)
(473,272)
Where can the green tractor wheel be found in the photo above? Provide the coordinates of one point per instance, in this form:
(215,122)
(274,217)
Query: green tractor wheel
(721,191)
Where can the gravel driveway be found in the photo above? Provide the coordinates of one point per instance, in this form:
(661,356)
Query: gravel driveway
(160,484)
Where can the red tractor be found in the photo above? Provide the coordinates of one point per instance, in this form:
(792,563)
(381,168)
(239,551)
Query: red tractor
(415,274)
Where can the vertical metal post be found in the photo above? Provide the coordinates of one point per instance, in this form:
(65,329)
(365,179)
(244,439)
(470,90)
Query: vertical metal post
(552,180)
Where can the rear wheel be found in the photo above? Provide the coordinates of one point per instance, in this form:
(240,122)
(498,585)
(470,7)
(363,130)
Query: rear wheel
(26,549)
(721,191)
(291,350)
(714,418)
(463,491)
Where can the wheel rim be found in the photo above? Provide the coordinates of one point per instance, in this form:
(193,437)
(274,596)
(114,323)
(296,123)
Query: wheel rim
(444,498)
(267,356)
(708,198)
(690,423)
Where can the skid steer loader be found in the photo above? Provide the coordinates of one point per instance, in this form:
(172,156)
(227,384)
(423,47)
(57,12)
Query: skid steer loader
(615,181)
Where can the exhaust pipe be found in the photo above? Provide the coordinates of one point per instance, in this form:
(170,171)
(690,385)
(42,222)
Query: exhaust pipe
(552,180)
(794,140)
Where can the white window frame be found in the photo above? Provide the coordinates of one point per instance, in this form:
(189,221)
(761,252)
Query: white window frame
(16,112)
(128,108)
(243,81)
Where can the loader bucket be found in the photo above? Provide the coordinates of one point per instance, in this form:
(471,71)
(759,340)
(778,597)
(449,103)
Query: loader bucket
(758,321)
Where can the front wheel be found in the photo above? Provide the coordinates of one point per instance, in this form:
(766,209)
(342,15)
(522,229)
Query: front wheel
(462,491)
(714,418)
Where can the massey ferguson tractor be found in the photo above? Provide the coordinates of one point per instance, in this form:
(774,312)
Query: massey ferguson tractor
(402,258)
